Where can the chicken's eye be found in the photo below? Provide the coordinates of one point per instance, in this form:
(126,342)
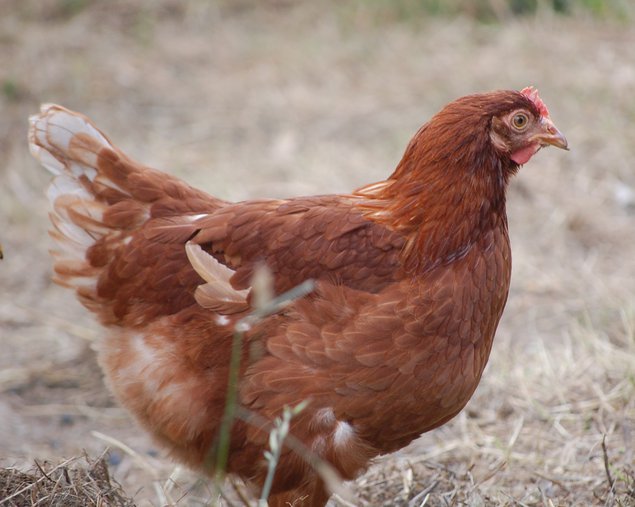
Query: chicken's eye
(520,121)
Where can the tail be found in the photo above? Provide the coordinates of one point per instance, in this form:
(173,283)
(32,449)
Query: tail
(119,227)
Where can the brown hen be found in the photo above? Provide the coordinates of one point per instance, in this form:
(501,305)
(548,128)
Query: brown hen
(412,275)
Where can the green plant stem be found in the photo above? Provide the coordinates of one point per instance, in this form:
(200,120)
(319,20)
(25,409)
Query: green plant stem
(222,452)
(224,436)
(278,433)
(276,441)
(324,469)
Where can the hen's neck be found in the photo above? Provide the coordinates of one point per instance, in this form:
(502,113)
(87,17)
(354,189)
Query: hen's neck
(444,201)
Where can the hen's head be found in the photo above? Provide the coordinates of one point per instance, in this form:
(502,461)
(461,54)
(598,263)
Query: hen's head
(523,126)
(510,125)
(486,134)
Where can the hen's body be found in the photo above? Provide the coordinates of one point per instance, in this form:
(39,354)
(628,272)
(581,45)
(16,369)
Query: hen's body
(412,276)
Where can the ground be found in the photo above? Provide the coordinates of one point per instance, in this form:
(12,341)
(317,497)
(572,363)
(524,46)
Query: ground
(290,98)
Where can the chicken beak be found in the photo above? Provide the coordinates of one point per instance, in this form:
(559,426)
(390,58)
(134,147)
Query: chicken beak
(549,135)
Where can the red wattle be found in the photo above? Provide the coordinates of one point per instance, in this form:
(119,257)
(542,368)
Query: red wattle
(523,155)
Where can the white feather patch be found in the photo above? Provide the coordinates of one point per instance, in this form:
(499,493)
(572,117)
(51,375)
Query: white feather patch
(344,432)
(325,416)
(222,320)
(194,218)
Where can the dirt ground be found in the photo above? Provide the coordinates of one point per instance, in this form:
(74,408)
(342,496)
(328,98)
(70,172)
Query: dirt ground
(288,99)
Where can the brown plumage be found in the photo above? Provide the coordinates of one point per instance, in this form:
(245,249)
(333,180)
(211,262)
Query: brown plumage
(412,275)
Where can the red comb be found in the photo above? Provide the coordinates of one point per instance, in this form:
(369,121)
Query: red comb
(532,94)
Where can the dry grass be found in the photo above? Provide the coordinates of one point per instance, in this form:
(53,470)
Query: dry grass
(72,483)
(293,98)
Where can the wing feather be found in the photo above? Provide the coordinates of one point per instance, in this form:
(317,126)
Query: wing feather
(323,238)
(217,294)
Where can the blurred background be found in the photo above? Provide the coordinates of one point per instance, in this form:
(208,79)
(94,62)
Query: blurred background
(277,98)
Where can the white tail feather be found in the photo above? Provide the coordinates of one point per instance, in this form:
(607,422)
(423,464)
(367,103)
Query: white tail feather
(54,128)
(68,146)
(104,225)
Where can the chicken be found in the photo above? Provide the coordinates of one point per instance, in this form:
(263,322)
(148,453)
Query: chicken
(411,278)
